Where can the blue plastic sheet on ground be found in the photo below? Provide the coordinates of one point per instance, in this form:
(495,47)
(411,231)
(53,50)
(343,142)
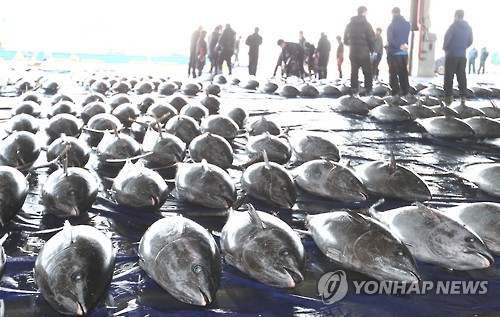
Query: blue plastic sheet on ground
(360,139)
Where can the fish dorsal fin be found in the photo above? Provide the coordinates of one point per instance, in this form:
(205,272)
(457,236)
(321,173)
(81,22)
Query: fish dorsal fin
(427,211)
(206,167)
(263,118)
(160,133)
(68,232)
(348,164)
(372,211)
(65,160)
(3,239)
(255,217)
(266,160)
(392,161)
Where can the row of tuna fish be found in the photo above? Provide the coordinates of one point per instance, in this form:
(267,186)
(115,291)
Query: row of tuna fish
(185,260)
(256,243)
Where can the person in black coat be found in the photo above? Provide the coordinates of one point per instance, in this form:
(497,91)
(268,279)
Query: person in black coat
(457,39)
(360,37)
(292,54)
(192,52)
(213,52)
(227,42)
(253,41)
(323,51)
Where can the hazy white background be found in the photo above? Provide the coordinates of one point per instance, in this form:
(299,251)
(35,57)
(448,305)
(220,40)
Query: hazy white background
(154,27)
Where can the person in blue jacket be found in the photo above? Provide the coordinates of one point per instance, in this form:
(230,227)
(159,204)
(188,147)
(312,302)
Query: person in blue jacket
(397,53)
(457,39)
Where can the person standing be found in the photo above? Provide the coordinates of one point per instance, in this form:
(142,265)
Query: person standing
(377,53)
(340,55)
(253,41)
(192,52)
(201,52)
(237,51)
(472,60)
(482,59)
(360,37)
(227,42)
(310,54)
(457,39)
(323,52)
(213,52)
(397,53)
(302,39)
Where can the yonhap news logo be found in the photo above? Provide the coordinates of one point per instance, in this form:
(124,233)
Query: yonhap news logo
(333,287)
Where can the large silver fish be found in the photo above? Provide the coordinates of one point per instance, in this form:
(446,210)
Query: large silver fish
(264,247)
(183,258)
(74,268)
(139,187)
(483,218)
(13,192)
(486,176)
(391,180)
(205,184)
(362,244)
(331,180)
(271,183)
(435,238)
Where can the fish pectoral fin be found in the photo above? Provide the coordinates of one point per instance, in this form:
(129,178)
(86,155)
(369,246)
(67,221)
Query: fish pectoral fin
(334,254)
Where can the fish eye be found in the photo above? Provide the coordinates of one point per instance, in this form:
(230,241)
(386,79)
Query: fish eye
(284,252)
(470,239)
(77,276)
(197,268)
(398,253)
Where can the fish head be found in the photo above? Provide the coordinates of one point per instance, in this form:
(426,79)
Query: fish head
(344,182)
(407,185)
(69,194)
(385,257)
(274,258)
(458,247)
(216,186)
(189,270)
(279,187)
(73,285)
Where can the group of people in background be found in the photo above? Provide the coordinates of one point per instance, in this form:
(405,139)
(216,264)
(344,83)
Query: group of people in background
(366,51)
(220,46)
(482,60)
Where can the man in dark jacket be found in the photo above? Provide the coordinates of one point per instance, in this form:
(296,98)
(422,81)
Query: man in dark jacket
(397,53)
(456,41)
(323,51)
(377,53)
(359,36)
(192,51)
(253,41)
(292,55)
(227,42)
(213,51)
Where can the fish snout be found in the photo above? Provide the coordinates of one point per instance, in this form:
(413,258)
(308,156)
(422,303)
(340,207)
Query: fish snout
(206,297)
(487,258)
(296,277)
(81,310)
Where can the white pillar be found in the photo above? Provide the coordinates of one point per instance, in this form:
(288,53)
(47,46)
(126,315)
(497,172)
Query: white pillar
(424,43)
